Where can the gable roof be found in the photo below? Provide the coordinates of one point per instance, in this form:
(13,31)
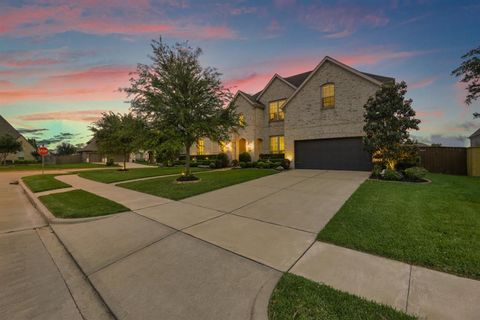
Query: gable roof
(275,76)
(7,128)
(367,76)
(297,80)
(475,134)
(249,98)
(90,147)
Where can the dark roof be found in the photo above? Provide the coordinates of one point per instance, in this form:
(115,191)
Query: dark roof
(476,133)
(297,80)
(6,128)
(90,147)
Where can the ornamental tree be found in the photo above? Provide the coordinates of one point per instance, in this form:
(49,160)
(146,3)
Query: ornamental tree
(469,70)
(8,145)
(65,149)
(181,98)
(388,119)
(117,133)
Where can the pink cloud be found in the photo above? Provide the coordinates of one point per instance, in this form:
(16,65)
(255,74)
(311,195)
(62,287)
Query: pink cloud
(106,17)
(45,57)
(6,84)
(250,83)
(94,84)
(78,115)
(373,56)
(422,83)
(431,114)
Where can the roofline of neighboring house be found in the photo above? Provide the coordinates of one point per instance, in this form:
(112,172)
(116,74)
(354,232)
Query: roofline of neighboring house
(338,63)
(275,76)
(475,134)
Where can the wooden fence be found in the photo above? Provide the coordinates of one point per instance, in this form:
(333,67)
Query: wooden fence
(473,161)
(450,160)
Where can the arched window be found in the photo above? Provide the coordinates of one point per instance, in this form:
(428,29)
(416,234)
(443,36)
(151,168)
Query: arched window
(328,95)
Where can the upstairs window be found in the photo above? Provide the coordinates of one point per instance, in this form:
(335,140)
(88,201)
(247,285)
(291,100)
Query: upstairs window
(241,119)
(277,144)
(200,147)
(328,95)
(275,111)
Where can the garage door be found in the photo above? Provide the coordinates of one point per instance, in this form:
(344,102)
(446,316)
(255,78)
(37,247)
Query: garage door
(332,154)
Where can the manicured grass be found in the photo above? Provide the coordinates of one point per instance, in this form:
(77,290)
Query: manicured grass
(38,166)
(115,175)
(44,182)
(298,298)
(167,188)
(434,225)
(80,204)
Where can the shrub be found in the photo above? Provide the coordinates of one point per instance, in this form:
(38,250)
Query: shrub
(212,165)
(272,156)
(254,164)
(277,164)
(234,163)
(193,164)
(415,173)
(222,158)
(219,164)
(110,163)
(393,175)
(244,157)
(377,171)
(285,163)
(260,165)
(242,164)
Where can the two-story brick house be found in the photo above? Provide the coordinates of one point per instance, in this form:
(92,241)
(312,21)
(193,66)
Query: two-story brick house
(315,118)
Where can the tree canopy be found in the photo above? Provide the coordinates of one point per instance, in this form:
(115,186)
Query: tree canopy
(117,133)
(8,145)
(469,70)
(182,99)
(65,149)
(388,119)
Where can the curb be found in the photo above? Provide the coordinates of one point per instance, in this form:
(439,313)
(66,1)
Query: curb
(51,219)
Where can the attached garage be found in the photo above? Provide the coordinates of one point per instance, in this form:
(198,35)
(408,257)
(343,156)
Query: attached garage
(332,154)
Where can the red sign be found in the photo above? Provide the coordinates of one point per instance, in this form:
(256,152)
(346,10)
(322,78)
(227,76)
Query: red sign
(43,151)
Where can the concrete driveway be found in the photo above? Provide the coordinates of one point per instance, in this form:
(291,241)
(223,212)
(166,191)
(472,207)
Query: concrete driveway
(213,256)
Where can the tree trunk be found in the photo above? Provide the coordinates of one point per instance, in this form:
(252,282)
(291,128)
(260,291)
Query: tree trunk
(125,162)
(187,160)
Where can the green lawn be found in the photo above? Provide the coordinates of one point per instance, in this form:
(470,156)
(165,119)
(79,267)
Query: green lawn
(167,188)
(38,166)
(109,176)
(301,299)
(434,225)
(44,182)
(80,204)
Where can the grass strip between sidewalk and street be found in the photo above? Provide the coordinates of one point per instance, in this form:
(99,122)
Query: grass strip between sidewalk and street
(80,204)
(298,298)
(44,182)
(167,188)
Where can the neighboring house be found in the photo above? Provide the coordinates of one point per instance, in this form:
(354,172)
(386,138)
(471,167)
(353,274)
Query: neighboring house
(27,148)
(90,153)
(314,118)
(475,139)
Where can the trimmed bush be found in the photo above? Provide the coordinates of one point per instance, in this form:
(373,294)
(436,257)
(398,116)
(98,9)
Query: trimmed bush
(242,164)
(234,163)
(110,163)
(245,157)
(392,175)
(285,163)
(272,156)
(377,171)
(415,173)
(212,165)
(222,159)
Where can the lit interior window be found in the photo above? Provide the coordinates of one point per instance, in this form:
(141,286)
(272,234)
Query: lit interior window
(275,110)
(277,144)
(328,95)
(201,147)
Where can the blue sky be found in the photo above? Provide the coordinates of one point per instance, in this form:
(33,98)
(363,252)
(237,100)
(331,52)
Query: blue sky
(62,63)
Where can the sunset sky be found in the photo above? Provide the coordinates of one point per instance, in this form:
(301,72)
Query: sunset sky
(62,63)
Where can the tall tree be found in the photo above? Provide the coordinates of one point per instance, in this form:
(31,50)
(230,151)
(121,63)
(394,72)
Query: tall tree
(388,119)
(117,133)
(469,70)
(8,145)
(181,98)
(65,149)
(34,153)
